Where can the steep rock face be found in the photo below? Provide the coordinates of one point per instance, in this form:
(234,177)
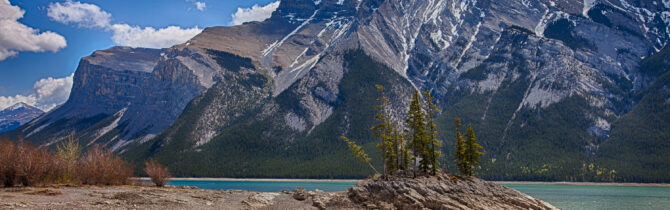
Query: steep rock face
(16,115)
(124,94)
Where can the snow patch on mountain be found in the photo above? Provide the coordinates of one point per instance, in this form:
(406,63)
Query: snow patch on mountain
(118,115)
(543,97)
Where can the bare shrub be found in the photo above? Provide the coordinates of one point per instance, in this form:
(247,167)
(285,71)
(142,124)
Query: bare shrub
(24,164)
(27,165)
(32,164)
(7,163)
(100,167)
(157,173)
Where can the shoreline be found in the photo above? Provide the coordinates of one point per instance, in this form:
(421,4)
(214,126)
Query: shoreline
(254,179)
(358,180)
(587,183)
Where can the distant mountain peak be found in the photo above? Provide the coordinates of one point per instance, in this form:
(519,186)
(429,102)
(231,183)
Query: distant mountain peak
(16,115)
(21,105)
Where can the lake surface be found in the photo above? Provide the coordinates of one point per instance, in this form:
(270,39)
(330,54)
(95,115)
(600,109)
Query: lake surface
(562,196)
(598,197)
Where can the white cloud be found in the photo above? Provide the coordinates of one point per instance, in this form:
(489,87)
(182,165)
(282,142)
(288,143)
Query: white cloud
(91,16)
(200,5)
(86,15)
(16,37)
(255,13)
(46,94)
(135,36)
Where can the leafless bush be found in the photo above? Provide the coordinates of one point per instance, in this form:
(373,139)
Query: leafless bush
(100,167)
(157,173)
(7,163)
(24,164)
(31,164)
(27,165)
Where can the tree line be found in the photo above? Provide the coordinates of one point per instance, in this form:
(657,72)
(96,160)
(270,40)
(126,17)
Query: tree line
(415,145)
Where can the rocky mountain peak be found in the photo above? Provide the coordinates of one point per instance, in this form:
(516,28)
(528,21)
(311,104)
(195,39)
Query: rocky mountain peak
(16,115)
(553,75)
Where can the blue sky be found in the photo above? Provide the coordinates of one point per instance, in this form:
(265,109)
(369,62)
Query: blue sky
(25,73)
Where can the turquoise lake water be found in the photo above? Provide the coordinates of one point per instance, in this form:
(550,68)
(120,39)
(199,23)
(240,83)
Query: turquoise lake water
(562,196)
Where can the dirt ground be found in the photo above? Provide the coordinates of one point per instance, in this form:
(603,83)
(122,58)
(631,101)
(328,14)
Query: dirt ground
(143,197)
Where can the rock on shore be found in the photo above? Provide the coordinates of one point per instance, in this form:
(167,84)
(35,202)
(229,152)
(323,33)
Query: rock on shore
(442,191)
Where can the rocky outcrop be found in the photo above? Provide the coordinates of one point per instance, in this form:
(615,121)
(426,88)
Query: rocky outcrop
(443,191)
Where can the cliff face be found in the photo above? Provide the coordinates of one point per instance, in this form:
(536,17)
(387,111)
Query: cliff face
(122,94)
(537,78)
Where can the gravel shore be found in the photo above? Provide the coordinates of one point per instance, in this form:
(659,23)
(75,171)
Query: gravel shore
(143,197)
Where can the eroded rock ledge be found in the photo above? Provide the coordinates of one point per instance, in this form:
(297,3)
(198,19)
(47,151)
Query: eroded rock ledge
(442,191)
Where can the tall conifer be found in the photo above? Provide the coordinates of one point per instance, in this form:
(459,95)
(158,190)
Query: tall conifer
(460,148)
(472,150)
(383,131)
(416,123)
(435,144)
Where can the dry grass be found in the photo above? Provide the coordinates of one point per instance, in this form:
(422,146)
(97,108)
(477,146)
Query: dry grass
(157,173)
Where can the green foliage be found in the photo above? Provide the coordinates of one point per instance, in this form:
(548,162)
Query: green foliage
(416,124)
(434,151)
(252,146)
(472,153)
(384,132)
(562,30)
(359,153)
(69,153)
(477,73)
(460,149)
(638,146)
(230,61)
(657,64)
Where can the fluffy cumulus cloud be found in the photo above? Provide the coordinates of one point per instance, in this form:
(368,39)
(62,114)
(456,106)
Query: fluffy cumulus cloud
(87,15)
(149,37)
(46,94)
(16,37)
(255,13)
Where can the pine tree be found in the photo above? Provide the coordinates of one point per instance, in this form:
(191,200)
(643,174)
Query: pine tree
(472,150)
(435,144)
(405,149)
(416,123)
(359,153)
(460,148)
(383,131)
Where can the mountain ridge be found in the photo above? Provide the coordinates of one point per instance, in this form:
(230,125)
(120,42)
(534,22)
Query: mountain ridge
(16,115)
(528,74)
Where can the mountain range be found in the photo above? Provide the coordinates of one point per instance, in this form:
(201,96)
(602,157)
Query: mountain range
(16,115)
(556,89)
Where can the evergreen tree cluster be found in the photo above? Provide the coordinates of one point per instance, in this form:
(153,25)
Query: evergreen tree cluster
(417,146)
(466,152)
